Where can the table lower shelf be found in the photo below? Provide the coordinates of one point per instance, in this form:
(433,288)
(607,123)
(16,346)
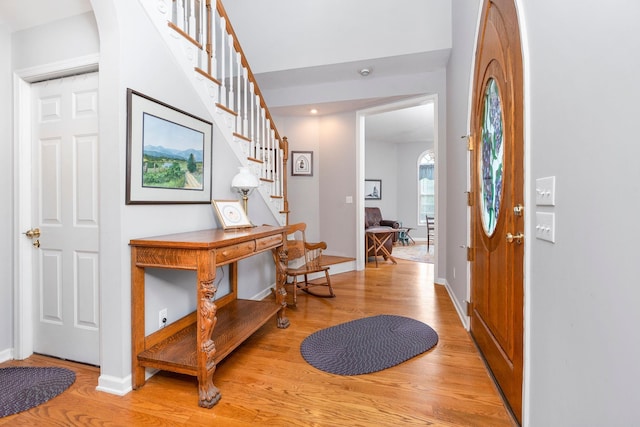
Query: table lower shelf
(237,320)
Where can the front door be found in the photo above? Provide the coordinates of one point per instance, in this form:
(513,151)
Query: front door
(65,210)
(497,186)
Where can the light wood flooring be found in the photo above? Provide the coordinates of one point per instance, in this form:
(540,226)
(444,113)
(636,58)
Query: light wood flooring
(266,382)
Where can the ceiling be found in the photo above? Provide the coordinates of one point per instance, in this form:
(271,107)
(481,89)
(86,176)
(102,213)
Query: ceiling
(406,125)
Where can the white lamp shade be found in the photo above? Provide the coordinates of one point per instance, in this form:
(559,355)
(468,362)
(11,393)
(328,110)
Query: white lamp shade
(244,180)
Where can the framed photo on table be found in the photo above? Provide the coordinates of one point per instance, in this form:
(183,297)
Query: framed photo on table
(231,214)
(168,153)
(373,189)
(302,163)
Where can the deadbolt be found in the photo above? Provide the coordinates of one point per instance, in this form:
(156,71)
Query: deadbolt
(36,243)
(517,210)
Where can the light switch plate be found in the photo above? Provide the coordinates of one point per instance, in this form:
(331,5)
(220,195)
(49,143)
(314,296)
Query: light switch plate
(546,226)
(546,191)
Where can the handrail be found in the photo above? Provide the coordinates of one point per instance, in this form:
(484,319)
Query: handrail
(236,44)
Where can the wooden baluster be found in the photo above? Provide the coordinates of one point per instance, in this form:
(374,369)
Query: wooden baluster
(211,32)
(223,89)
(283,171)
(231,62)
(252,112)
(239,94)
(191,18)
(179,14)
(264,142)
(276,157)
(204,37)
(245,98)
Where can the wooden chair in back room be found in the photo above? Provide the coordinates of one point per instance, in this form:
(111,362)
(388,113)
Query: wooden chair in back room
(431,226)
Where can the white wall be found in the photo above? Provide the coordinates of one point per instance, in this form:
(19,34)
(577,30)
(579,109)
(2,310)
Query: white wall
(6,214)
(59,40)
(459,73)
(337,181)
(380,162)
(582,298)
(303,134)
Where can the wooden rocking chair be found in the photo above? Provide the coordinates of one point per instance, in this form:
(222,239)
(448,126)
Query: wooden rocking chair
(303,259)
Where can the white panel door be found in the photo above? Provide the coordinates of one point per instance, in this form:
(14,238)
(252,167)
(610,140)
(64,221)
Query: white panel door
(65,209)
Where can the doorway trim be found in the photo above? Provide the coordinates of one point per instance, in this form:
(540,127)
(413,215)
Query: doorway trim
(361,115)
(22,79)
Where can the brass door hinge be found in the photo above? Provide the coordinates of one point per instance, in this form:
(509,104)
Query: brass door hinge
(469,308)
(470,253)
(469,198)
(469,139)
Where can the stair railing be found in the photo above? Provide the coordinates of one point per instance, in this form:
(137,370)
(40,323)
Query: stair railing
(221,60)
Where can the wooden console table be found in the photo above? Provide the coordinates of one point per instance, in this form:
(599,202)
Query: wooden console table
(195,344)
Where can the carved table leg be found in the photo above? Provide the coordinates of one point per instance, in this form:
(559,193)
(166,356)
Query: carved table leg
(208,393)
(280,260)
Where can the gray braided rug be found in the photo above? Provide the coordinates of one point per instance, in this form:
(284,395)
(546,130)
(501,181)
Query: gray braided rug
(23,388)
(367,345)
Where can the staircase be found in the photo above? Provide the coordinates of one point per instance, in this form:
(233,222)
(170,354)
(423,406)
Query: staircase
(203,41)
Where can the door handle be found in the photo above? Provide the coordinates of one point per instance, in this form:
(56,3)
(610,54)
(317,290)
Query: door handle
(517,237)
(33,233)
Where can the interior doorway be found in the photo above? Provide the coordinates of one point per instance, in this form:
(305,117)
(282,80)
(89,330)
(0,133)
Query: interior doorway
(393,192)
(84,101)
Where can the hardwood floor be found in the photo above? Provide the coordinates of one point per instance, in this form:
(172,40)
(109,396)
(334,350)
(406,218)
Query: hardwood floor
(267,382)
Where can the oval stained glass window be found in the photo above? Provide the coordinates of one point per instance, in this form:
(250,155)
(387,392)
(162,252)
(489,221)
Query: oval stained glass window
(492,157)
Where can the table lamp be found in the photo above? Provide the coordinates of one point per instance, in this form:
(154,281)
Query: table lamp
(244,183)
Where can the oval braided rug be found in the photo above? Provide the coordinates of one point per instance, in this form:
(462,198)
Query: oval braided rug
(367,345)
(23,388)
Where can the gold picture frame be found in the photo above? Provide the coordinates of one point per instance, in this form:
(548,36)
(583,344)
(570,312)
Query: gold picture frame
(231,214)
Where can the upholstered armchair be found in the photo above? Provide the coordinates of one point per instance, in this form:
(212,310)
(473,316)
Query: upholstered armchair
(373,218)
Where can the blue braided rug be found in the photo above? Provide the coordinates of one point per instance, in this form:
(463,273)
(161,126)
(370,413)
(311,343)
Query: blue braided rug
(23,388)
(367,345)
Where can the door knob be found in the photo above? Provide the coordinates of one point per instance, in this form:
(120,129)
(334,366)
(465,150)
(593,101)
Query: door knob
(34,232)
(517,237)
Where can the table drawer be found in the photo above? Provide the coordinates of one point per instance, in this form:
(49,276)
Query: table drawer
(233,252)
(268,242)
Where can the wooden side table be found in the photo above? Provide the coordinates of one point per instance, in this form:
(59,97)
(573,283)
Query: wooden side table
(195,344)
(376,238)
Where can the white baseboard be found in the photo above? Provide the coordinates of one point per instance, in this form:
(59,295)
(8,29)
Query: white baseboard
(114,385)
(462,313)
(6,355)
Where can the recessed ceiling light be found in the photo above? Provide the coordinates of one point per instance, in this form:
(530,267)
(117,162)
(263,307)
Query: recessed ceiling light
(364,72)
(313,111)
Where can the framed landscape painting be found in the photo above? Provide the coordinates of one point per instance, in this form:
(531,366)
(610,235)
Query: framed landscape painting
(168,153)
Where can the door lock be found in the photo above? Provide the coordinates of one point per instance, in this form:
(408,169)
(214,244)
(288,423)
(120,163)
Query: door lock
(36,243)
(517,237)
(517,210)
(33,233)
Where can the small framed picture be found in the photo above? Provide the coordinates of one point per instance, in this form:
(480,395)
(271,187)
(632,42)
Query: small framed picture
(373,189)
(231,214)
(302,163)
